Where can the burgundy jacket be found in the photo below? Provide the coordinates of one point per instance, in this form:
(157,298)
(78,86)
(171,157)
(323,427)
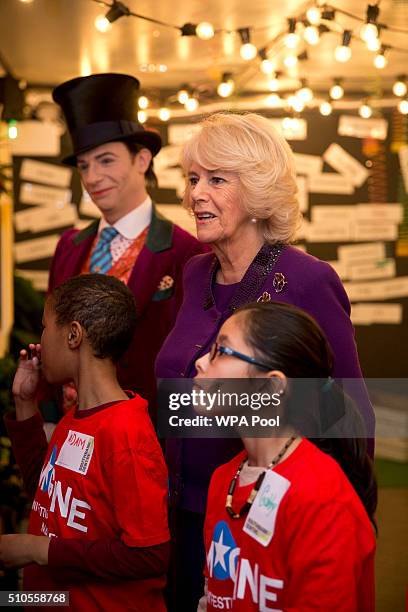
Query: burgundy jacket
(166,251)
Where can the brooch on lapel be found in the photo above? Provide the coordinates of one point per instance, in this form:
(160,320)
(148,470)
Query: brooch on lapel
(279,282)
(166,283)
(265,297)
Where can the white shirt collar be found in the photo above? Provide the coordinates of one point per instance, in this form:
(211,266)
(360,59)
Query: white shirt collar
(132,224)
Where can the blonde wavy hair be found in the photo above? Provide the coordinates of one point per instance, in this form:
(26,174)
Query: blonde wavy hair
(248,145)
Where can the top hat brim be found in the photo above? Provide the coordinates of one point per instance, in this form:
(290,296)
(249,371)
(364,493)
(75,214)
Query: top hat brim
(150,140)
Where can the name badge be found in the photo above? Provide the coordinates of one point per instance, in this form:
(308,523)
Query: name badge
(76,452)
(260,522)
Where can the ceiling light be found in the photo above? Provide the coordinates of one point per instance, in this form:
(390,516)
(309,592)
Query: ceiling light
(191,105)
(400,86)
(305,94)
(292,39)
(326,108)
(183,95)
(403,107)
(373,44)
(342,53)
(164,114)
(267,66)
(248,51)
(143,102)
(102,24)
(370,28)
(311,35)
(380,61)
(205,30)
(116,11)
(313,15)
(290,61)
(273,100)
(336,91)
(227,85)
(142,116)
(365,111)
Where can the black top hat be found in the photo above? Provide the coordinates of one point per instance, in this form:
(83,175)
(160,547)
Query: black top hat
(102,108)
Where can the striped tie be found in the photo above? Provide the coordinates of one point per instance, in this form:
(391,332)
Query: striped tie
(101,259)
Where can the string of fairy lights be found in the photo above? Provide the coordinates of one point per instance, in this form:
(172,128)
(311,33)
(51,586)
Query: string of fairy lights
(278,58)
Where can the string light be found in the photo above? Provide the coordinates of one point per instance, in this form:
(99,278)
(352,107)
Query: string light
(370,29)
(305,94)
(273,83)
(191,105)
(403,107)
(102,24)
(400,86)
(380,61)
(227,85)
(205,30)
(267,66)
(182,94)
(248,51)
(313,15)
(115,12)
(326,108)
(311,35)
(273,101)
(342,53)
(12,130)
(373,44)
(292,39)
(143,102)
(336,91)
(365,111)
(290,61)
(296,103)
(142,116)
(164,114)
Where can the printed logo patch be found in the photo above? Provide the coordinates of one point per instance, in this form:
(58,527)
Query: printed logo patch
(48,473)
(76,452)
(223,554)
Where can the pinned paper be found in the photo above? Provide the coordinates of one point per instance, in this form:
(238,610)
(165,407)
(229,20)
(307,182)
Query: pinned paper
(340,268)
(41,172)
(88,208)
(375,231)
(303,193)
(328,232)
(362,128)
(345,164)
(41,194)
(179,133)
(403,160)
(384,268)
(179,215)
(378,290)
(380,212)
(39,278)
(330,182)
(38,248)
(168,156)
(370,313)
(353,253)
(42,218)
(308,164)
(333,213)
(36,138)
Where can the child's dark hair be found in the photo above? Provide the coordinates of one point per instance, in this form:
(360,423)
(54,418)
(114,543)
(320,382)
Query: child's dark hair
(288,339)
(150,177)
(103,306)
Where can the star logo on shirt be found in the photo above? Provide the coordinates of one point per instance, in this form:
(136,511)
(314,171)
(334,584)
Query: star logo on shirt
(223,553)
(220,551)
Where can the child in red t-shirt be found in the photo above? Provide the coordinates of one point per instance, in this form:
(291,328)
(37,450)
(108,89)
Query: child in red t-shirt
(98,524)
(286,529)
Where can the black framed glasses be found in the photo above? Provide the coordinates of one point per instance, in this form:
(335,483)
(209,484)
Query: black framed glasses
(226,350)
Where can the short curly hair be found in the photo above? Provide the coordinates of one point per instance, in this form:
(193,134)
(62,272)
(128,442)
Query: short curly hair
(103,306)
(249,145)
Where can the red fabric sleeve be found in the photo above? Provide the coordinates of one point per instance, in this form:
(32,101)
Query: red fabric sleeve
(30,445)
(75,560)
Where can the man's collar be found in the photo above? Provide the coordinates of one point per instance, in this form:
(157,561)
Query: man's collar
(134,222)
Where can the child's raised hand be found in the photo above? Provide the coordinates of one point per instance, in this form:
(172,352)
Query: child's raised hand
(28,373)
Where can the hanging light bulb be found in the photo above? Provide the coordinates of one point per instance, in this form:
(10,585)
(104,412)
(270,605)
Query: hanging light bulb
(164,114)
(267,66)
(290,61)
(380,61)
(226,86)
(400,86)
(191,105)
(326,108)
(370,28)
(295,103)
(313,15)
(248,51)
(142,116)
(305,94)
(143,102)
(311,35)
(273,101)
(365,111)
(403,107)
(273,83)
(342,52)
(205,30)
(12,130)
(336,91)
(182,94)
(373,44)
(292,39)
(102,24)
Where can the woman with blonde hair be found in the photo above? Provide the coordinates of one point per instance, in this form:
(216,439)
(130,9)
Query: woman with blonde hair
(241,188)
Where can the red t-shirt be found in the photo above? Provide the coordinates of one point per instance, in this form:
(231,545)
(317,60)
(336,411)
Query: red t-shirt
(320,557)
(103,477)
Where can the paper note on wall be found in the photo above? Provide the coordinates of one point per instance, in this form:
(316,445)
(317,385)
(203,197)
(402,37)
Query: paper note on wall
(384,268)
(403,160)
(380,212)
(42,218)
(344,163)
(308,164)
(44,195)
(358,127)
(179,215)
(303,193)
(350,254)
(330,182)
(41,172)
(378,290)
(333,213)
(374,231)
(39,278)
(179,133)
(38,248)
(340,268)
(328,232)
(370,313)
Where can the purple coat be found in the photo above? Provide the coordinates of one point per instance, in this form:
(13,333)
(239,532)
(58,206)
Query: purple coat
(166,251)
(311,284)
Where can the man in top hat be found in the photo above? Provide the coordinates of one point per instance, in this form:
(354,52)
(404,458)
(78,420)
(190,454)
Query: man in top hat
(113,153)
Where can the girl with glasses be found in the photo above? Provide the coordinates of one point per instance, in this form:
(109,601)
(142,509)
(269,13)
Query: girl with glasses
(287,525)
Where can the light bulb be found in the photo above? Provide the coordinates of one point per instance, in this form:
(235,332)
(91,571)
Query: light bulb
(267,66)
(205,30)
(191,105)
(225,88)
(325,109)
(12,130)
(102,24)
(273,84)
(290,61)
(313,15)
(399,88)
(365,111)
(380,61)
(403,107)
(373,44)
(342,53)
(164,114)
(141,116)
(143,102)
(273,100)
(311,35)
(336,92)
(182,96)
(305,94)
(368,30)
(287,123)
(292,40)
(248,51)
(295,103)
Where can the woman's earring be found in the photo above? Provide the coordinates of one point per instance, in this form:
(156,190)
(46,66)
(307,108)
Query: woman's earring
(253,220)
